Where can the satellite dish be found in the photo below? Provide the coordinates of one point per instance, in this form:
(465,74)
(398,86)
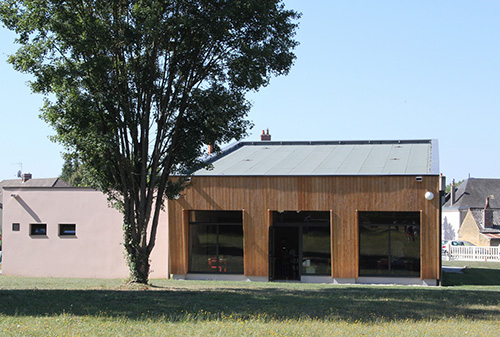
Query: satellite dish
(19,174)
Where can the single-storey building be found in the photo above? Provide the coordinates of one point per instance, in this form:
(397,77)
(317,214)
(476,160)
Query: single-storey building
(337,212)
(67,232)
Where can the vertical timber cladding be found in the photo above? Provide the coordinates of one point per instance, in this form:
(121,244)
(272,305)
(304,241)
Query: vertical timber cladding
(342,195)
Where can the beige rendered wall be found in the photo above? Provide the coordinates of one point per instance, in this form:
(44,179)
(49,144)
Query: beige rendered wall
(95,252)
(469,231)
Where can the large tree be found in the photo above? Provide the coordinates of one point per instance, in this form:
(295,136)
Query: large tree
(136,89)
(73,172)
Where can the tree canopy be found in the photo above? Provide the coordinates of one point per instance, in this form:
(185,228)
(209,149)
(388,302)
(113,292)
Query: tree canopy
(136,89)
(73,172)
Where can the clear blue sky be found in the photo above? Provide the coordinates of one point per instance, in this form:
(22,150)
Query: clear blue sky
(364,70)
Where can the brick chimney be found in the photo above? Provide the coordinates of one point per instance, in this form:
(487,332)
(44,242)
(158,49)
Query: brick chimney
(210,149)
(26,177)
(452,193)
(265,135)
(487,215)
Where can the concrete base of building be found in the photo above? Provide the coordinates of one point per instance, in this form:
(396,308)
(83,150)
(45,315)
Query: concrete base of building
(396,280)
(312,279)
(219,277)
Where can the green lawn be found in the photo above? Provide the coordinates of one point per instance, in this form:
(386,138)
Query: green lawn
(473,273)
(94,307)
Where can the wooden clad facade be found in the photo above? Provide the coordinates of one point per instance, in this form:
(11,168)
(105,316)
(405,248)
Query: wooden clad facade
(343,196)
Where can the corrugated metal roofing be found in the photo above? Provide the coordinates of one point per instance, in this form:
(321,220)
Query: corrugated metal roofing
(270,158)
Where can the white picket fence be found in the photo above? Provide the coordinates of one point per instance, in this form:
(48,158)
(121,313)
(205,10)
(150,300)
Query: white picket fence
(472,253)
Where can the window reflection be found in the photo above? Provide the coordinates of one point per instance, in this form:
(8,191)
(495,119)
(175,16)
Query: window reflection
(389,244)
(302,244)
(215,242)
(316,250)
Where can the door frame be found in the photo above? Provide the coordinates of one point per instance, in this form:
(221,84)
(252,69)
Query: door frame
(272,249)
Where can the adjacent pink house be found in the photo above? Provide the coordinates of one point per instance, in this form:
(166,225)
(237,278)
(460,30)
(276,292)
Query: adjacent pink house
(68,232)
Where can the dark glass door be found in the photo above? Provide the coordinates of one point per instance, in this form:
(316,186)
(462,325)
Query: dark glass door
(284,253)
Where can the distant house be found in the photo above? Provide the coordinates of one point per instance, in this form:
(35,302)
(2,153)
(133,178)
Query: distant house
(470,195)
(334,211)
(481,227)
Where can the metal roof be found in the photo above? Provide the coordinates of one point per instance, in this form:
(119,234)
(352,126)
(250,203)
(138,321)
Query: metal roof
(271,158)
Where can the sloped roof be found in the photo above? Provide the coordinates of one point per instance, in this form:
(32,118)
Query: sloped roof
(477,214)
(272,158)
(44,182)
(492,236)
(472,193)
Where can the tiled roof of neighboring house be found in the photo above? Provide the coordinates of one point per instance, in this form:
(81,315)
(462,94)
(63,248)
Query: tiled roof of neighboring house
(472,193)
(44,182)
(477,214)
(492,236)
(316,158)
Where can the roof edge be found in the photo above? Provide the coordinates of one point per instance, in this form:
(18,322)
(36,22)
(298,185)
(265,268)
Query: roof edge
(320,175)
(434,156)
(235,146)
(47,188)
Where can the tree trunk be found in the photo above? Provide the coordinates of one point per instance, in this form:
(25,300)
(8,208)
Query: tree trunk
(138,265)
(137,254)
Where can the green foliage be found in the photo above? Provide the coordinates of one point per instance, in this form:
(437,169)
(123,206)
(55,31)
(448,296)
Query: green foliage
(136,89)
(74,173)
(448,187)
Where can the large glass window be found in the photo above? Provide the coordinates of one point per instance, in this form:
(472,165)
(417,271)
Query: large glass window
(216,242)
(301,244)
(316,248)
(389,244)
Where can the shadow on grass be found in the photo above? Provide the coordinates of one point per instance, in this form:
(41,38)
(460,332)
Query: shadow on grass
(473,276)
(340,303)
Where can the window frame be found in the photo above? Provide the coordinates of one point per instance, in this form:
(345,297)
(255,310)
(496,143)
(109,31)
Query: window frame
(39,225)
(293,218)
(398,219)
(61,232)
(219,268)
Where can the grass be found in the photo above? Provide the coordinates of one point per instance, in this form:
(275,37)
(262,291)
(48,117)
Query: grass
(94,307)
(473,273)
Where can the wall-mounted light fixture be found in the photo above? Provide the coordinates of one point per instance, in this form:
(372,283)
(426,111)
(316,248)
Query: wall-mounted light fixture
(429,195)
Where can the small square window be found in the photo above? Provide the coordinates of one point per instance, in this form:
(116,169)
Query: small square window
(38,229)
(15,227)
(67,229)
